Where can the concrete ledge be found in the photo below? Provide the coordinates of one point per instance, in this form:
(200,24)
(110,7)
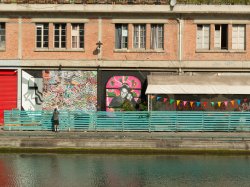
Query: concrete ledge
(130,145)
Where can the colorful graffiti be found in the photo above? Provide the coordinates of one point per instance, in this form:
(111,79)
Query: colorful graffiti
(121,90)
(70,90)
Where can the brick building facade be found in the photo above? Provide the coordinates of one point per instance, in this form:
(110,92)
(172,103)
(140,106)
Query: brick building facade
(79,56)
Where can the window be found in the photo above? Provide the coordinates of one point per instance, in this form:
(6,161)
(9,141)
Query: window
(42,35)
(238,37)
(60,36)
(140,36)
(77,34)
(121,36)
(2,35)
(202,37)
(221,36)
(156,39)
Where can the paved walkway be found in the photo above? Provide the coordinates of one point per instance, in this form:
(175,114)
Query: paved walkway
(127,135)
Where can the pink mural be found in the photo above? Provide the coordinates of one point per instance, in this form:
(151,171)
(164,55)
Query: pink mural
(120,89)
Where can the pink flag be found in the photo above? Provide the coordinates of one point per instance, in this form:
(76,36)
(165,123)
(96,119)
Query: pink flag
(226,102)
(184,103)
(164,100)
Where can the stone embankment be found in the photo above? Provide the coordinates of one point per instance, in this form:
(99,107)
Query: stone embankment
(126,142)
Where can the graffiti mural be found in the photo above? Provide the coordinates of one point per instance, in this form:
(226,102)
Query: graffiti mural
(121,90)
(32,87)
(70,90)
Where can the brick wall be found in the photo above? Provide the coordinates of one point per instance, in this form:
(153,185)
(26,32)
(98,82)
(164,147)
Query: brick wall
(169,53)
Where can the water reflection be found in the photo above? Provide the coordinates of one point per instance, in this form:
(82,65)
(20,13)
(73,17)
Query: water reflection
(119,170)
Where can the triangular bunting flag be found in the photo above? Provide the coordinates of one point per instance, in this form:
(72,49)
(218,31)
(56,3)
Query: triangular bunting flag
(245,100)
(171,101)
(212,103)
(205,104)
(232,102)
(178,102)
(226,102)
(191,103)
(158,98)
(219,103)
(165,100)
(184,103)
(238,101)
(198,103)
(152,96)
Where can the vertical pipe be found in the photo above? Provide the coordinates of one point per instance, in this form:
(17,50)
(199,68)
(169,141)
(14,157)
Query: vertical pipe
(19,88)
(19,37)
(100,37)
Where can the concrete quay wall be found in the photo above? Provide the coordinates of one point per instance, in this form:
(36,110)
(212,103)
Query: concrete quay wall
(123,142)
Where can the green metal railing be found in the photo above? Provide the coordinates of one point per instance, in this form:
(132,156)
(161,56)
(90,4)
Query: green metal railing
(129,121)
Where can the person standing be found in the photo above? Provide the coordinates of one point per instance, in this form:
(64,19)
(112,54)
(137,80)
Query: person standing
(56,119)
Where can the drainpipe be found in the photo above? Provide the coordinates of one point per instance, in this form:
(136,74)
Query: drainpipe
(180,23)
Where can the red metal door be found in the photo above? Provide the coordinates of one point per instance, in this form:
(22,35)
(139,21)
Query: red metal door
(8,91)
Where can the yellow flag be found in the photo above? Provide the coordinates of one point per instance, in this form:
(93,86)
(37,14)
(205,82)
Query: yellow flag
(178,102)
(219,103)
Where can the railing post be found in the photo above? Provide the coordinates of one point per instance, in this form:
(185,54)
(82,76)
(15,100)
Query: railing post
(69,121)
(122,121)
(203,121)
(229,122)
(149,122)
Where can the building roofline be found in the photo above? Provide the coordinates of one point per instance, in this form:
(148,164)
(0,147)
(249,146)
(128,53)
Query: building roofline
(146,9)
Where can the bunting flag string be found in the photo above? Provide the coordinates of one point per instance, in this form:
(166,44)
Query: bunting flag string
(198,103)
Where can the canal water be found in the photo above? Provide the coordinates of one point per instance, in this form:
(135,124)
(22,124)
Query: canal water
(45,170)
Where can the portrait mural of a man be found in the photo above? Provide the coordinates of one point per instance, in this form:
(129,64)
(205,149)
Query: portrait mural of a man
(121,89)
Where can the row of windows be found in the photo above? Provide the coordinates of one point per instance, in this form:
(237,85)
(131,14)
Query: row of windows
(77,36)
(203,38)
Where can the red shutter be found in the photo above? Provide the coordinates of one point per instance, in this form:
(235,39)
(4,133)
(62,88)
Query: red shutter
(8,91)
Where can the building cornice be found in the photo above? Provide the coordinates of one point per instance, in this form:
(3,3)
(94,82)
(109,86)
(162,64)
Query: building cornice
(106,8)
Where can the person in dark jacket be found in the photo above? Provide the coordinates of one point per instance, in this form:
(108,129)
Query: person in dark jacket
(55,119)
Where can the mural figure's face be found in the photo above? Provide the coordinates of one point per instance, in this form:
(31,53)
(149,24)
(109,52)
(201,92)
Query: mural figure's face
(124,93)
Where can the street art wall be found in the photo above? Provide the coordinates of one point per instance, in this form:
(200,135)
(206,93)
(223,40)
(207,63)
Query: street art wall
(122,92)
(67,90)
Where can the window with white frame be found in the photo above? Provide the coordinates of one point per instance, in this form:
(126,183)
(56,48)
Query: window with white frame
(121,36)
(42,35)
(221,36)
(60,35)
(77,36)
(203,37)
(157,36)
(238,37)
(2,35)
(139,36)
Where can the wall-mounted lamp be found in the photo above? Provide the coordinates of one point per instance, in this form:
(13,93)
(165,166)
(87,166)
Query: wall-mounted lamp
(99,44)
